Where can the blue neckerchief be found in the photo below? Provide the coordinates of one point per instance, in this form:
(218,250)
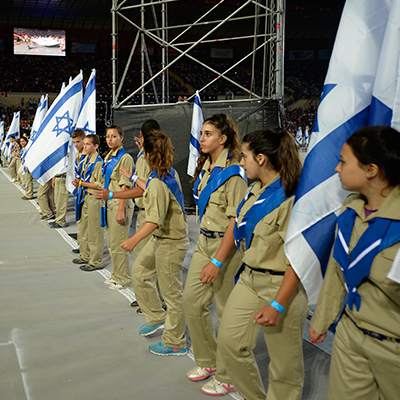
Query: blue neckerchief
(85,175)
(217,178)
(108,169)
(172,184)
(380,234)
(79,167)
(272,197)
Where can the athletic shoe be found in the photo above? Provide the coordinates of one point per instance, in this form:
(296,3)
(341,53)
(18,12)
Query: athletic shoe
(76,251)
(79,261)
(216,388)
(47,217)
(54,225)
(147,330)
(164,351)
(200,373)
(89,268)
(26,198)
(134,304)
(117,286)
(109,281)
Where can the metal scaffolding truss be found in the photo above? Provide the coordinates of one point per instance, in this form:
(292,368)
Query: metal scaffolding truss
(266,17)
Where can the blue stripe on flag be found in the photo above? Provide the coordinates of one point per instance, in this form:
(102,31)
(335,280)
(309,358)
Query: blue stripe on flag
(197,101)
(50,161)
(320,237)
(380,114)
(332,143)
(90,88)
(195,143)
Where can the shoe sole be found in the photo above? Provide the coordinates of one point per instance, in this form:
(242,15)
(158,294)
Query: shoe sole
(152,332)
(112,287)
(80,263)
(90,269)
(199,378)
(216,394)
(168,354)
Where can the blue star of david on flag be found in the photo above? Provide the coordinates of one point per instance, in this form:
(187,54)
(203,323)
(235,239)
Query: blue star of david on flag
(87,130)
(64,125)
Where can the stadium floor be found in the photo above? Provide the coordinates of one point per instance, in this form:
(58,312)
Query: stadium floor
(64,335)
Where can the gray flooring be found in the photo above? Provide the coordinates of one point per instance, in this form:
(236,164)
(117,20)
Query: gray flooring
(64,335)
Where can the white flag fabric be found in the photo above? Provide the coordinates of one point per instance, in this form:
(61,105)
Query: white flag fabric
(194,147)
(306,137)
(299,137)
(13,130)
(354,95)
(87,116)
(48,152)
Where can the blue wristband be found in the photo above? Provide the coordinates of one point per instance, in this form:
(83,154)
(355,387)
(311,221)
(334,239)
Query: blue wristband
(110,195)
(277,306)
(217,263)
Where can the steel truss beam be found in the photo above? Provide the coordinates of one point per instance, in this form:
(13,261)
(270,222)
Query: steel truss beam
(271,36)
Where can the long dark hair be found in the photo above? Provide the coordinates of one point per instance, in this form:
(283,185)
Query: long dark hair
(378,145)
(226,127)
(160,151)
(281,151)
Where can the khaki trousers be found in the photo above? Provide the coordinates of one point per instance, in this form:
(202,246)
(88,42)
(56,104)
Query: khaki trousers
(198,297)
(18,171)
(164,258)
(116,234)
(91,233)
(238,335)
(61,197)
(12,169)
(362,367)
(45,197)
(140,221)
(27,178)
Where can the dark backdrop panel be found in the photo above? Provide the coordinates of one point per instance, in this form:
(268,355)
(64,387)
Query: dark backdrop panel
(175,120)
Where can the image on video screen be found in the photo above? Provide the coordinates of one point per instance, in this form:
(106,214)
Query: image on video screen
(39,42)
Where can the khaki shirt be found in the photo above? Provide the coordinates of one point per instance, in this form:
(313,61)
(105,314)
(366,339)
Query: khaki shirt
(143,172)
(225,200)
(163,209)
(266,249)
(97,170)
(380,296)
(117,179)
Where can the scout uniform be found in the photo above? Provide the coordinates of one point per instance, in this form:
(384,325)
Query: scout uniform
(91,233)
(221,206)
(61,198)
(116,232)
(143,171)
(365,359)
(12,163)
(18,164)
(163,256)
(78,171)
(45,198)
(264,266)
(27,179)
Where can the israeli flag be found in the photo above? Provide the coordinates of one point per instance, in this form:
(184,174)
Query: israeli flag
(1,134)
(86,122)
(87,115)
(13,130)
(356,91)
(194,147)
(306,137)
(299,137)
(48,153)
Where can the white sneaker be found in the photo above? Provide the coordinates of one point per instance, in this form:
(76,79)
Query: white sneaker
(117,286)
(216,388)
(200,373)
(109,281)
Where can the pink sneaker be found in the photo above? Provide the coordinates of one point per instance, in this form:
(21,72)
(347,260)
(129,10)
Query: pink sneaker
(216,388)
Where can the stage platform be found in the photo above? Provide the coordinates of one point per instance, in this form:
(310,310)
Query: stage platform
(64,335)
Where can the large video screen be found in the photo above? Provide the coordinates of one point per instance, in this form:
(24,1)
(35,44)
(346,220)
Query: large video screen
(39,42)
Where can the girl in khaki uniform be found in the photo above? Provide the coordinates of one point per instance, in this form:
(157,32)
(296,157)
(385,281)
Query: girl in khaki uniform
(118,212)
(361,277)
(12,166)
(207,277)
(268,293)
(26,177)
(164,253)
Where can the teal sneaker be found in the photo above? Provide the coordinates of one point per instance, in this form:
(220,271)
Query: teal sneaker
(161,350)
(147,330)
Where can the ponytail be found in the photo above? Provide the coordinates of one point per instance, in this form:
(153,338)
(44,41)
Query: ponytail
(281,151)
(158,146)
